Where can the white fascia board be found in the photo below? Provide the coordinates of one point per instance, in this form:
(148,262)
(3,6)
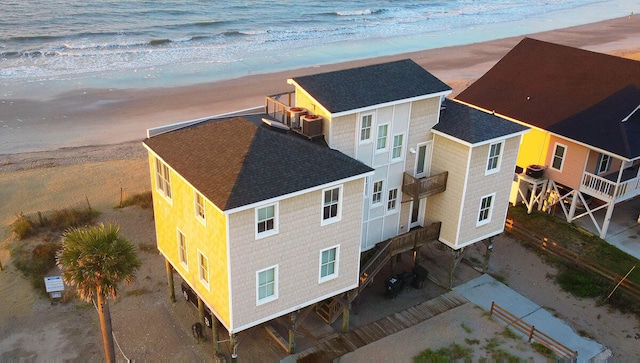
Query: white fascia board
(468,243)
(182,178)
(292,309)
(392,103)
(591,147)
(295,194)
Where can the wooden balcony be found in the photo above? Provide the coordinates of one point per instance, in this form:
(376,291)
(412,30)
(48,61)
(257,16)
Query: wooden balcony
(418,188)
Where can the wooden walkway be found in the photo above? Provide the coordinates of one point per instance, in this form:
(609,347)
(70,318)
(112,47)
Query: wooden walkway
(342,344)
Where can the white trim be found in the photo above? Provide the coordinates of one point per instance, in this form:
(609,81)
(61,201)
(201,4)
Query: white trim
(402,147)
(371,127)
(553,156)
(377,150)
(276,221)
(375,204)
(156,174)
(229,284)
(607,164)
(276,278)
(475,240)
(204,283)
(631,114)
(465,184)
(396,200)
(184,264)
(338,216)
(489,209)
(202,219)
(295,308)
(295,194)
(336,265)
(496,169)
(425,161)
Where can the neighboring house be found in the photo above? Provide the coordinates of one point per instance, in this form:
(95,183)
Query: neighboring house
(266,214)
(583,109)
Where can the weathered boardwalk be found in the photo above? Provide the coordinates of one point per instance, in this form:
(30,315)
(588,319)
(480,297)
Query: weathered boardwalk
(342,344)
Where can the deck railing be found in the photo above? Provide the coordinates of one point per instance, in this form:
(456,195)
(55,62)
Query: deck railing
(415,238)
(605,189)
(277,109)
(418,188)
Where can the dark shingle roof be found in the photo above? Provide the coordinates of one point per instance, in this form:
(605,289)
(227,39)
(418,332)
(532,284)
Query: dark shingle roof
(474,126)
(234,162)
(355,88)
(545,84)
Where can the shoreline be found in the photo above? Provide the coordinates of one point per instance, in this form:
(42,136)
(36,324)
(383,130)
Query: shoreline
(99,117)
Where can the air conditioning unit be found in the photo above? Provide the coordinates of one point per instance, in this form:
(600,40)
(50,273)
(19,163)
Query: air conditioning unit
(295,113)
(311,125)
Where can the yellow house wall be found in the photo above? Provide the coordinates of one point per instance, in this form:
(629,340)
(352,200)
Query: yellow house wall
(574,163)
(445,207)
(210,239)
(480,185)
(296,251)
(533,150)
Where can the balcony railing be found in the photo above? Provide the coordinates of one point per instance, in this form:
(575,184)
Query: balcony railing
(418,188)
(414,238)
(605,189)
(276,106)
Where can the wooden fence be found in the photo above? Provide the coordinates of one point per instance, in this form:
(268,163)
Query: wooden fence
(532,333)
(630,288)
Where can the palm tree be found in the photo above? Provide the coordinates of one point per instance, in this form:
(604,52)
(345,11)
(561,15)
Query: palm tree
(95,259)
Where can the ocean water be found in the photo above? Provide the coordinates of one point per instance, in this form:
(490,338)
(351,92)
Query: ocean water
(60,45)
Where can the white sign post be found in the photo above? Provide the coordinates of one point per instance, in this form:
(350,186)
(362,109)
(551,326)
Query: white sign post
(54,286)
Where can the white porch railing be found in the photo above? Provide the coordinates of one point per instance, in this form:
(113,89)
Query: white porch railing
(606,189)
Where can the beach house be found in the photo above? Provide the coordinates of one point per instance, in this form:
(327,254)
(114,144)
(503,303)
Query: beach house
(267,213)
(583,152)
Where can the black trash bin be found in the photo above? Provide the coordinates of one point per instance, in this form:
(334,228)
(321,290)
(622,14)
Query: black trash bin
(419,277)
(406,278)
(393,286)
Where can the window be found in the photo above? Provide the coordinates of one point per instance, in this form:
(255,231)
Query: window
(331,205)
(329,264)
(604,162)
(182,249)
(267,285)
(396,152)
(376,197)
(199,206)
(365,127)
(486,206)
(392,201)
(203,269)
(558,157)
(420,162)
(493,162)
(381,143)
(266,221)
(163,182)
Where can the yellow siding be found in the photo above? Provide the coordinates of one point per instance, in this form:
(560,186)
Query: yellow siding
(480,185)
(296,250)
(445,207)
(179,213)
(533,150)
(574,163)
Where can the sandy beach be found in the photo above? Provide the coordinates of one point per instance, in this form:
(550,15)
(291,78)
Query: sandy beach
(111,116)
(85,145)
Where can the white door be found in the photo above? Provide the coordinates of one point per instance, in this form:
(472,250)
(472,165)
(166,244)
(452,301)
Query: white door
(417,213)
(423,159)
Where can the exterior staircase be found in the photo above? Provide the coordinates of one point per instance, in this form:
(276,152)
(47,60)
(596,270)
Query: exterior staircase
(331,309)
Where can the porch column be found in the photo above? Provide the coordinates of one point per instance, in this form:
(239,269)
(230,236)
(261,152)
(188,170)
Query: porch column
(215,331)
(487,254)
(345,318)
(607,217)
(233,340)
(292,334)
(169,268)
(456,257)
(201,315)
